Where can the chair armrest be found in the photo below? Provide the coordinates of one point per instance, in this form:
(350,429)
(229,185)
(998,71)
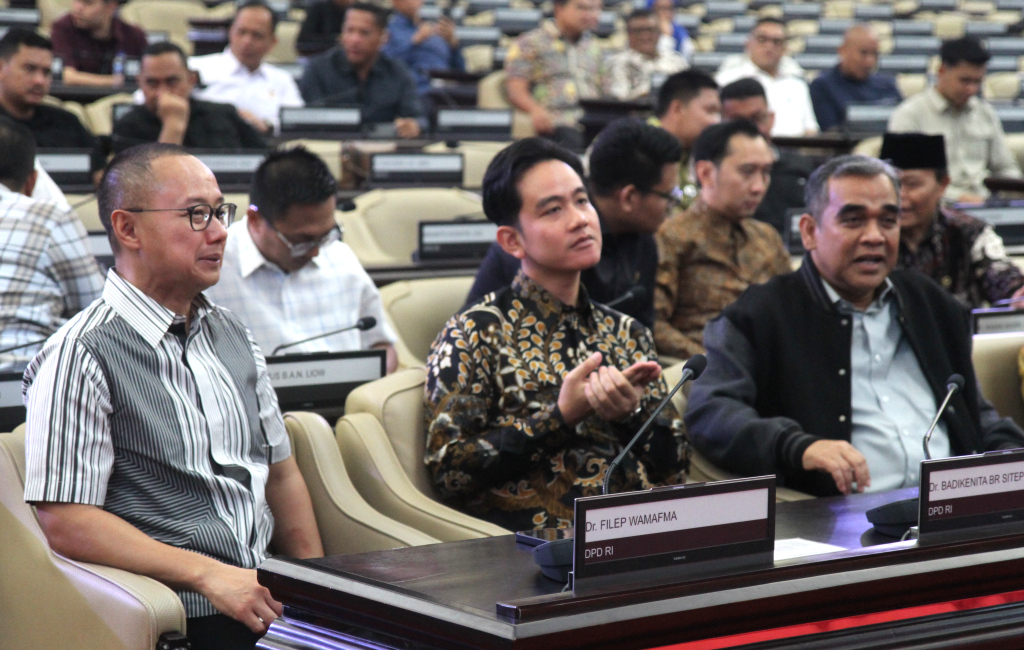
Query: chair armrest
(347,523)
(378,475)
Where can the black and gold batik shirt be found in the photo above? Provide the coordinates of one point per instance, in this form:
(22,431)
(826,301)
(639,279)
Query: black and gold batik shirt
(497,445)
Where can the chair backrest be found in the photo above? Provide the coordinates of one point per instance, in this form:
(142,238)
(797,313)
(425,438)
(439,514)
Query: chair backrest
(477,156)
(285,51)
(392,216)
(171,16)
(346,522)
(995,359)
(397,402)
(50,602)
(418,309)
(101,112)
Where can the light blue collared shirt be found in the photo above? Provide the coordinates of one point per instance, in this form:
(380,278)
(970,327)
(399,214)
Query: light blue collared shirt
(892,403)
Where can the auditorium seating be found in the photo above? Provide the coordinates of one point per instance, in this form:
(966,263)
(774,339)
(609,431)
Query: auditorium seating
(347,523)
(995,362)
(48,601)
(418,309)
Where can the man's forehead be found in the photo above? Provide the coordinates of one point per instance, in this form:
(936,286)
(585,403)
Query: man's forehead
(871,191)
(167,62)
(768,29)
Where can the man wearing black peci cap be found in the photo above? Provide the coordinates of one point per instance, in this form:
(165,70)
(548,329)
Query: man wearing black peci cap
(962,253)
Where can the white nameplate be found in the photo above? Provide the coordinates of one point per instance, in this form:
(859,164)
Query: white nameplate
(230,162)
(64,163)
(315,116)
(390,163)
(982,490)
(99,245)
(515,15)
(862,112)
(999,216)
(473,33)
(996,323)
(431,13)
(456,232)
(10,393)
(455,118)
(25,16)
(327,371)
(675,526)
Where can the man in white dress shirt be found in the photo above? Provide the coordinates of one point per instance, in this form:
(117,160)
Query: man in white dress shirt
(286,273)
(239,76)
(788,94)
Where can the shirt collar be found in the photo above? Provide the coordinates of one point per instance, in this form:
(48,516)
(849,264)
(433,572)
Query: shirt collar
(940,104)
(147,317)
(844,306)
(236,66)
(545,301)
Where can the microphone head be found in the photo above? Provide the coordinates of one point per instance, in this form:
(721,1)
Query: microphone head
(955,381)
(699,362)
(369,322)
(639,292)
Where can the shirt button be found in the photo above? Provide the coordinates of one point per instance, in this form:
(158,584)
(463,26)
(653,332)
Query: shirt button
(885,398)
(842,418)
(842,372)
(878,357)
(844,322)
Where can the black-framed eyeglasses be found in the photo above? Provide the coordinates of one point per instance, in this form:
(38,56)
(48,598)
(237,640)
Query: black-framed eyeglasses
(303,248)
(199,216)
(674,197)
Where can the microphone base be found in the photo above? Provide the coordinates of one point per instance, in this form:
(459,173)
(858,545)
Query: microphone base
(894,519)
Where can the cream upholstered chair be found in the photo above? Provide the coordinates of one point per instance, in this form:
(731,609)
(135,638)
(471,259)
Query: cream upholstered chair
(347,523)
(287,34)
(395,404)
(995,363)
(1001,85)
(101,112)
(171,16)
(418,309)
(49,601)
(87,209)
(869,146)
(701,469)
(490,93)
(383,227)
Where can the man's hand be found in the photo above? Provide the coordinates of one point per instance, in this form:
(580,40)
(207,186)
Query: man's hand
(407,127)
(572,399)
(173,112)
(423,32)
(840,459)
(446,30)
(542,120)
(236,593)
(256,121)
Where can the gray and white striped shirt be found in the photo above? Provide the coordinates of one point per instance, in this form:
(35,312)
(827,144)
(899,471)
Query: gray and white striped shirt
(175,439)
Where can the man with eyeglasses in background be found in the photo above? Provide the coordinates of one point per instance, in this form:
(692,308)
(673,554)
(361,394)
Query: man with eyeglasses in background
(709,254)
(781,76)
(154,442)
(634,168)
(287,274)
(630,71)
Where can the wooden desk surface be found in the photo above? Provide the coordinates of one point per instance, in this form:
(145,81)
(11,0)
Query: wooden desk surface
(488,593)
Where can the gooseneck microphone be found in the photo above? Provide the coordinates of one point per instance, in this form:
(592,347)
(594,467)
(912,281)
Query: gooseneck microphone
(363,324)
(953,384)
(639,292)
(693,369)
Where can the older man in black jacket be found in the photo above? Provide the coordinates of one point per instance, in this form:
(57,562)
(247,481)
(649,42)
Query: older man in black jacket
(830,376)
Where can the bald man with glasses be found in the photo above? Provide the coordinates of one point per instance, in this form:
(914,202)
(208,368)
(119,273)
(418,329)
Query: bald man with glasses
(286,273)
(154,442)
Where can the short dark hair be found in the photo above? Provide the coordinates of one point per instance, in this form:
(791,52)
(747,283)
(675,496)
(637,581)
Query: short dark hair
(19,147)
(258,4)
(816,191)
(631,152)
(380,14)
(964,50)
(639,13)
(683,86)
(744,88)
(16,37)
(501,198)
(768,20)
(560,3)
(287,177)
(165,47)
(127,180)
(713,142)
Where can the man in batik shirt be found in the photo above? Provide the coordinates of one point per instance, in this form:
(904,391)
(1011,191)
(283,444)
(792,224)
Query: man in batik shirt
(708,255)
(549,69)
(960,252)
(532,392)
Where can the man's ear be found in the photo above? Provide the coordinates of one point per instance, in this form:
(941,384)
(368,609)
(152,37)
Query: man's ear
(124,228)
(30,183)
(808,232)
(704,171)
(628,196)
(384,36)
(511,241)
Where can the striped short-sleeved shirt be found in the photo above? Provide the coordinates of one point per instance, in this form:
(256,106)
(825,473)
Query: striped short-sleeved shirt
(176,439)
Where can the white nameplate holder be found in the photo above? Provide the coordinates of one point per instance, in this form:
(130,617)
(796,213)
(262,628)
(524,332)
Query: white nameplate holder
(674,533)
(442,240)
(425,168)
(971,497)
(231,168)
(66,167)
(475,35)
(1007,221)
(332,119)
(474,123)
(322,380)
(995,320)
